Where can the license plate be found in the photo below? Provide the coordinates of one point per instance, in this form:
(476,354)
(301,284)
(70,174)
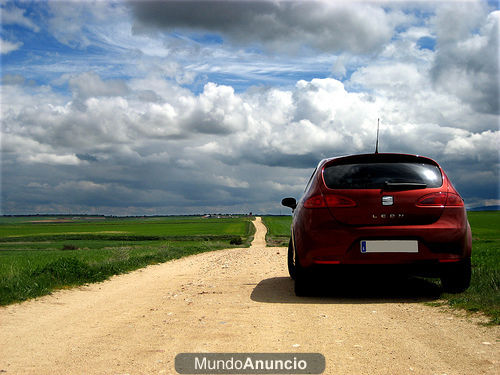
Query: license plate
(389,246)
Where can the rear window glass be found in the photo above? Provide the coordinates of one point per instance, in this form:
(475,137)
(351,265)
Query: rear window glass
(376,175)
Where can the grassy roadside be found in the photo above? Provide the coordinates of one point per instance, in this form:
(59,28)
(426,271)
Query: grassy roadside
(484,293)
(278,230)
(37,258)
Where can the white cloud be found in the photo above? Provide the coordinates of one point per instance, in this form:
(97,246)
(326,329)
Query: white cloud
(165,145)
(69,19)
(38,185)
(81,185)
(12,15)
(391,79)
(89,84)
(467,59)
(482,147)
(230,182)
(317,118)
(454,20)
(8,47)
(51,159)
(217,111)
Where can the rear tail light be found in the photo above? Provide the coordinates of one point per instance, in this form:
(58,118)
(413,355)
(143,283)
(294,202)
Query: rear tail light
(434,199)
(339,201)
(316,201)
(454,200)
(440,200)
(330,200)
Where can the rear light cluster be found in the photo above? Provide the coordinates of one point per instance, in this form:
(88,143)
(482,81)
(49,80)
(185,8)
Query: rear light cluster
(440,200)
(330,200)
(429,200)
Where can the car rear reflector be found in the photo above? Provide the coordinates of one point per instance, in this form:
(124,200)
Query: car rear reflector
(330,200)
(440,200)
(327,261)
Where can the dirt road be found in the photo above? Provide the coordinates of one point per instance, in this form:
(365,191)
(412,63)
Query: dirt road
(238,300)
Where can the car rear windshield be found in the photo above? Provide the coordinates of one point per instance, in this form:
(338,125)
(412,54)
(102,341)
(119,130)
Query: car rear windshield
(382,175)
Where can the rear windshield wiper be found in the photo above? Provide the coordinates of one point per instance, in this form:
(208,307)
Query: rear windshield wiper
(394,186)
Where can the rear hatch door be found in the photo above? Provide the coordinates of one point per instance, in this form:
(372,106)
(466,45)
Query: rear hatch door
(384,187)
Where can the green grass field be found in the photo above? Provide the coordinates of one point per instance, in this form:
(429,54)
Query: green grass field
(40,254)
(484,292)
(278,230)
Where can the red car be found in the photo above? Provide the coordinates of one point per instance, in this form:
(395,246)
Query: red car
(395,210)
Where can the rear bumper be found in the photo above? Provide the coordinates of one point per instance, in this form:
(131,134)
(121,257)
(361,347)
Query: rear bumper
(328,242)
(427,268)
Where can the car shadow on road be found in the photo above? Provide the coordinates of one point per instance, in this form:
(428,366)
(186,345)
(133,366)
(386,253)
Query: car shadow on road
(280,290)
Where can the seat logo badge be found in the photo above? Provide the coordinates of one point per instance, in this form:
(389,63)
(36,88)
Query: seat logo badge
(387,200)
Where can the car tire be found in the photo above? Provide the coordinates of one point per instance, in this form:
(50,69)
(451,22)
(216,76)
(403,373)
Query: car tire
(302,286)
(302,279)
(291,260)
(455,277)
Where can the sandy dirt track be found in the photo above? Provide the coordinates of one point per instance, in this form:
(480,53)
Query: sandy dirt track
(237,300)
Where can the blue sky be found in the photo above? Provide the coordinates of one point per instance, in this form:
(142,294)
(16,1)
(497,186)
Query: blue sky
(44,55)
(127,108)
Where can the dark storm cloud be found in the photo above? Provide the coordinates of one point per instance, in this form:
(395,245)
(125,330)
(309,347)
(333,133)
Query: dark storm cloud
(278,25)
(86,157)
(278,159)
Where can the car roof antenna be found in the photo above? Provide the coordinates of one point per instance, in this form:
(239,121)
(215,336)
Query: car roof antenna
(376,145)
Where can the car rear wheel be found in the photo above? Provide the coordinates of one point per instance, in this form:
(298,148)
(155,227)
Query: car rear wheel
(302,282)
(297,273)
(455,277)
(302,279)
(291,260)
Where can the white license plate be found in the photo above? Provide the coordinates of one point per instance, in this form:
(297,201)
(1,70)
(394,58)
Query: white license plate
(389,246)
